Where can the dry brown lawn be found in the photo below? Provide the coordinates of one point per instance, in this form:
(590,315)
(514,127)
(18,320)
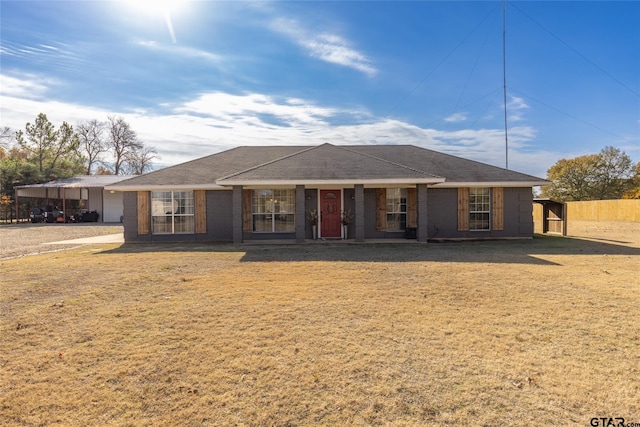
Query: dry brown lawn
(542,332)
(17,240)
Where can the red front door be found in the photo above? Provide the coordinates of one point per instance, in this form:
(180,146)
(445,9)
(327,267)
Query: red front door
(330,213)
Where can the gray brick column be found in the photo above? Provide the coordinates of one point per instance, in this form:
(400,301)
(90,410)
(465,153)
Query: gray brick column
(423,223)
(359,214)
(301,217)
(236,203)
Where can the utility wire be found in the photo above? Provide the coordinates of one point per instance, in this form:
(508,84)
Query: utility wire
(412,91)
(576,52)
(475,65)
(495,92)
(566,114)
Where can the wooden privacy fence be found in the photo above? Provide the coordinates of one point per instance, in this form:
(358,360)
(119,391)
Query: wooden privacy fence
(604,210)
(554,217)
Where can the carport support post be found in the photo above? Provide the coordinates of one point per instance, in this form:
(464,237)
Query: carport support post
(17,208)
(300,216)
(236,202)
(64,206)
(359,217)
(423,224)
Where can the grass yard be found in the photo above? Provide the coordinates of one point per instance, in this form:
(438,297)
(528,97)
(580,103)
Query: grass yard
(542,332)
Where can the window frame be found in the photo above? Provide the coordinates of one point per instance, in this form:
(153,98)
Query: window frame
(396,198)
(267,203)
(479,208)
(185,214)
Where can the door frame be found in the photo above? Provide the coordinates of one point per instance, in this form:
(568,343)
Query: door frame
(341,197)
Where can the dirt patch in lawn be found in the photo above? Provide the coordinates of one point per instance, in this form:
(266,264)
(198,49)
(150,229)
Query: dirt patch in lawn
(541,332)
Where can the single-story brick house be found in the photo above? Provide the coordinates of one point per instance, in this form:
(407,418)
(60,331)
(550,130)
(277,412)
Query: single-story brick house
(384,191)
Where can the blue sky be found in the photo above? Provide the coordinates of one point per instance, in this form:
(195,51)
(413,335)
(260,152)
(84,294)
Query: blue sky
(197,77)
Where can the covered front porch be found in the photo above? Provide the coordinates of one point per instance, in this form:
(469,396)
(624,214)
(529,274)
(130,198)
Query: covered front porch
(355,213)
(312,242)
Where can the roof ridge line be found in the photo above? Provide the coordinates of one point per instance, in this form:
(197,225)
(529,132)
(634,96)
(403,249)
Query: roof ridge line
(389,162)
(271,161)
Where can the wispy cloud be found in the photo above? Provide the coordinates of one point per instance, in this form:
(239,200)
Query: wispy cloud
(332,48)
(184,51)
(53,55)
(325,46)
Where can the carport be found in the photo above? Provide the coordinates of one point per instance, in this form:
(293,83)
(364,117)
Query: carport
(87,188)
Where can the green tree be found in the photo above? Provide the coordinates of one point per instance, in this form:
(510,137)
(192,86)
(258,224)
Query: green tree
(16,170)
(633,187)
(55,152)
(592,177)
(613,173)
(6,204)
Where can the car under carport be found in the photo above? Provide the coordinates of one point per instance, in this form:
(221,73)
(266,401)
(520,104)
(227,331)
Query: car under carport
(90,189)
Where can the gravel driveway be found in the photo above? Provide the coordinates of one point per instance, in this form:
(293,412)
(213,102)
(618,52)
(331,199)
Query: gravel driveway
(28,239)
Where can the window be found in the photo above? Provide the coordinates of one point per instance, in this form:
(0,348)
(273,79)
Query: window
(172,212)
(479,208)
(396,209)
(273,211)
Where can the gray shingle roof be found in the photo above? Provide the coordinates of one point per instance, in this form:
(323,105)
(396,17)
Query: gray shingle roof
(207,170)
(327,162)
(454,169)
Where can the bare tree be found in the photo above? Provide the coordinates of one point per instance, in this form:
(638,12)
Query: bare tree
(6,137)
(92,142)
(140,161)
(122,140)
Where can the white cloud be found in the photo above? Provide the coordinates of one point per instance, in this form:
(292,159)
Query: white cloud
(239,108)
(515,108)
(218,121)
(17,111)
(325,46)
(517,103)
(456,117)
(28,86)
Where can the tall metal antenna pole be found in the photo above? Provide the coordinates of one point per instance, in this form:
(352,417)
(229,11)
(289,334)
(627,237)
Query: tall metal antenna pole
(504,77)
